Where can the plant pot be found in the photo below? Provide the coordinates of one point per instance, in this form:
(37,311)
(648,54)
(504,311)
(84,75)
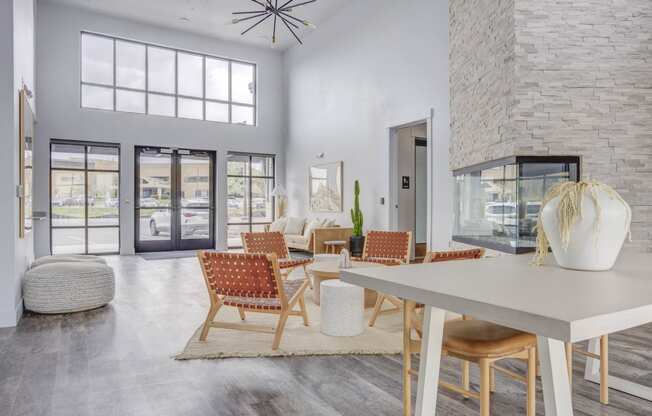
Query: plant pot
(357,245)
(595,242)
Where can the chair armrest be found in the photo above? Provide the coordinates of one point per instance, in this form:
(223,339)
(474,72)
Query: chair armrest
(320,235)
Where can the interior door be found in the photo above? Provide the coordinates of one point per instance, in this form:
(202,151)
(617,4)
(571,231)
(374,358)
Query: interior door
(175,202)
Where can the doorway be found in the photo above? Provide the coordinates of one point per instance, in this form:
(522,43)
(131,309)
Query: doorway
(410,150)
(175,200)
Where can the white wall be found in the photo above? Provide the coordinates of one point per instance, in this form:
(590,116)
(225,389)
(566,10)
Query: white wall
(375,65)
(16,68)
(60,115)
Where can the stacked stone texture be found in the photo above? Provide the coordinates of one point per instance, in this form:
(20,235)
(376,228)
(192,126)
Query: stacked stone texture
(539,77)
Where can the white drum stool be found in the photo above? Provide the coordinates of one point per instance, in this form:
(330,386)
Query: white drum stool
(342,309)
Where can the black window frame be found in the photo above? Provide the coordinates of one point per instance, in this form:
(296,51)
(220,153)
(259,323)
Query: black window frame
(250,190)
(86,144)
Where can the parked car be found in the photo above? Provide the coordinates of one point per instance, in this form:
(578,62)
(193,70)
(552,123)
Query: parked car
(148,203)
(194,222)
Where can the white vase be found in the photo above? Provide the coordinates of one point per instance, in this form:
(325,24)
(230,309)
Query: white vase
(590,248)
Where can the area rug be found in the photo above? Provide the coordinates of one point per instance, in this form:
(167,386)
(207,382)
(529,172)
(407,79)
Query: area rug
(385,337)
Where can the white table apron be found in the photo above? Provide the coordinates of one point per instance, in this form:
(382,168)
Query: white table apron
(569,306)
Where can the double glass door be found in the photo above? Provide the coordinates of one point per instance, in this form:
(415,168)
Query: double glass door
(175,201)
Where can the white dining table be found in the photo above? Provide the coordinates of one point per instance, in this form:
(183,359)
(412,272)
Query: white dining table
(556,304)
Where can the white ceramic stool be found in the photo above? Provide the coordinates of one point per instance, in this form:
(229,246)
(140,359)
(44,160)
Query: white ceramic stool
(342,309)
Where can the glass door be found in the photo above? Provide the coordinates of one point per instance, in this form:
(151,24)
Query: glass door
(174,199)
(250,205)
(84,197)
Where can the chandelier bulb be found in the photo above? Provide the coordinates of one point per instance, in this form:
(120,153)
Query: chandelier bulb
(309,24)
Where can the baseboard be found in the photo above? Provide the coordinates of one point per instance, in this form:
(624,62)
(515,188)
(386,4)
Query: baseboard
(19,311)
(11,322)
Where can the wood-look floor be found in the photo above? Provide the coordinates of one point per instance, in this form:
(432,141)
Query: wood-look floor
(116,361)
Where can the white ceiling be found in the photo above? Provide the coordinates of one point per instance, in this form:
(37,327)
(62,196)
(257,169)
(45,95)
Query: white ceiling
(211,17)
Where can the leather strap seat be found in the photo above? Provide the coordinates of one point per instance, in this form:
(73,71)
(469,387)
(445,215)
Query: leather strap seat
(482,339)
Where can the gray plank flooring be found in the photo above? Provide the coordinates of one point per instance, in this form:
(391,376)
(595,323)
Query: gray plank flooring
(117,361)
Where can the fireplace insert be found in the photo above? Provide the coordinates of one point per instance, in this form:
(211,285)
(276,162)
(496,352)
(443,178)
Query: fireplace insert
(497,203)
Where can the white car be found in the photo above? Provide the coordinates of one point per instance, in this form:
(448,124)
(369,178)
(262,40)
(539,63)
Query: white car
(194,221)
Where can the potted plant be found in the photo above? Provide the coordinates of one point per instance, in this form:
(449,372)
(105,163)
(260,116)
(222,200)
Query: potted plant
(357,239)
(584,223)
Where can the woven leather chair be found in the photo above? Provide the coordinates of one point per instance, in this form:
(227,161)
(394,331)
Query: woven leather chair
(475,341)
(251,283)
(391,248)
(273,242)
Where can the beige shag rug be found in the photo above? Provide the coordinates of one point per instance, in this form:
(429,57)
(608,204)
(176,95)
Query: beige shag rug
(384,338)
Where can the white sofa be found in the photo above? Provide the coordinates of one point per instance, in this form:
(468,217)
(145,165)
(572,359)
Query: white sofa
(309,234)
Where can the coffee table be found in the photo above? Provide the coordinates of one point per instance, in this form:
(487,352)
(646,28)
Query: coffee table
(330,269)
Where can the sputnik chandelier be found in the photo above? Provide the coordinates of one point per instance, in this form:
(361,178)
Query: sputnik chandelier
(270,8)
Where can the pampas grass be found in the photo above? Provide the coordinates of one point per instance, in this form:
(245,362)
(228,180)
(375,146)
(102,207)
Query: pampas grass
(569,211)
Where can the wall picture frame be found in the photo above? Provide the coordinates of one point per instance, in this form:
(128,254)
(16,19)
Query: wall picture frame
(25,175)
(325,185)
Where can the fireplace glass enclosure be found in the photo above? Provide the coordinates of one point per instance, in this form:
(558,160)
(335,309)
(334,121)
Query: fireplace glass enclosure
(497,203)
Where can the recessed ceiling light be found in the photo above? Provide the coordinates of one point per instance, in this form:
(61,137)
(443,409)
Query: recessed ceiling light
(184,19)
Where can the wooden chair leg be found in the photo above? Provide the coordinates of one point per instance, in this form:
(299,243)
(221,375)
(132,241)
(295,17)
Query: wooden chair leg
(377,307)
(466,376)
(604,369)
(304,311)
(241,311)
(569,362)
(485,384)
(408,310)
(492,379)
(209,320)
(279,329)
(305,272)
(531,382)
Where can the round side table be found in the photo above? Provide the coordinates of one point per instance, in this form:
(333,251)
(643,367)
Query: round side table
(330,269)
(332,246)
(342,309)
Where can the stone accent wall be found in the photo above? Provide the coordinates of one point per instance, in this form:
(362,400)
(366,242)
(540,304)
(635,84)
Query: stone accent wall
(582,85)
(482,51)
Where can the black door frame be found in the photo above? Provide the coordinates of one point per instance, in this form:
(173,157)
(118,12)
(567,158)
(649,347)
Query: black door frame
(176,242)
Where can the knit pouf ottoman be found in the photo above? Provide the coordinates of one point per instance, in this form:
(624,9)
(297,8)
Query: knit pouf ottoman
(70,258)
(342,309)
(68,287)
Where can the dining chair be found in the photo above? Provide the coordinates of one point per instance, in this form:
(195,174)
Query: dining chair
(470,340)
(391,248)
(274,242)
(603,357)
(250,283)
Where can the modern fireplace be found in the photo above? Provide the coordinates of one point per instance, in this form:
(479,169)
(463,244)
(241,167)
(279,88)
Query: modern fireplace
(497,203)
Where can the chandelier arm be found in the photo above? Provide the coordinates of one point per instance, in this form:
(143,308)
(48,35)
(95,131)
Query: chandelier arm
(274,31)
(297,5)
(290,29)
(257,23)
(293,18)
(260,4)
(289,22)
(252,17)
(251,12)
(284,4)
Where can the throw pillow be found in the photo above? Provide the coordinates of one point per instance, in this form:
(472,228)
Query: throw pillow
(279,225)
(312,225)
(294,225)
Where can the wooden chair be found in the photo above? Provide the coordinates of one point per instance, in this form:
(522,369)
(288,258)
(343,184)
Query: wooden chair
(391,248)
(251,283)
(475,341)
(603,357)
(273,242)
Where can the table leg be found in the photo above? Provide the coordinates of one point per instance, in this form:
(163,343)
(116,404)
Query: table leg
(554,376)
(592,374)
(430,360)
